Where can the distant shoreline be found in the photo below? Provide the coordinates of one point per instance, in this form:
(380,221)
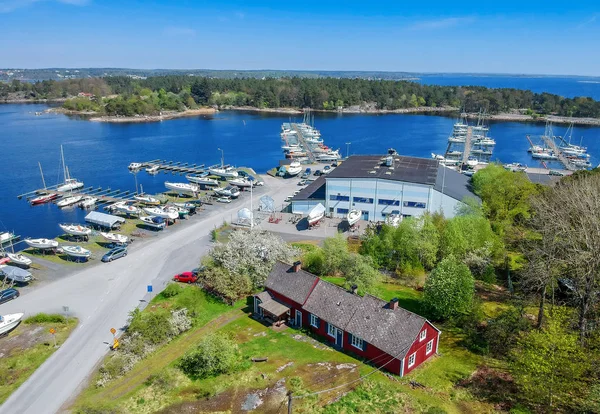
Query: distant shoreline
(360,110)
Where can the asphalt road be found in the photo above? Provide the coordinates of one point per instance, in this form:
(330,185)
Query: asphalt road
(102,296)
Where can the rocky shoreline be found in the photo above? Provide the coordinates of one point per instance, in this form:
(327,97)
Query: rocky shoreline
(166,115)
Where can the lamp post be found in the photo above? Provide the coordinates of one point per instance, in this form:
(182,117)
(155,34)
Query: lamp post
(348,149)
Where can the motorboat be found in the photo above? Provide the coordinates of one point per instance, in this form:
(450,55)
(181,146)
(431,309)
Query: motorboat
(393,220)
(7,237)
(437,157)
(75,229)
(481,151)
(353,217)
(544,155)
(515,167)
(124,208)
(202,179)
(69,201)
(472,161)
(70,184)
(16,274)
(46,198)
(316,214)
(153,169)
(292,147)
(19,259)
(10,322)
(154,222)
(535,148)
(115,238)
(294,168)
(42,243)
(88,202)
(454,154)
(181,212)
(135,166)
(224,199)
(457,139)
(332,155)
(162,213)
(182,188)
(242,182)
(226,172)
(146,199)
(229,191)
(77,251)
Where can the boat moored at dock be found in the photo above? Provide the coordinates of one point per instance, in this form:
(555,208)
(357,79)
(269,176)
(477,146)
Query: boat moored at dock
(69,201)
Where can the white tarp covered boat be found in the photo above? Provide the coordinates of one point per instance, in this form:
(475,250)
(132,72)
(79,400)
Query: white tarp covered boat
(10,322)
(16,274)
(352,217)
(42,243)
(115,238)
(229,191)
(77,251)
(241,182)
(75,229)
(316,214)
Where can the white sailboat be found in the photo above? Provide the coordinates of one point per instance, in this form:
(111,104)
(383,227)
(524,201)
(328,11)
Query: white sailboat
(353,217)
(115,238)
(70,184)
(69,201)
(223,171)
(46,197)
(75,229)
(183,188)
(153,169)
(316,214)
(202,179)
(241,182)
(10,322)
(42,243)
(124,208)
(77,251)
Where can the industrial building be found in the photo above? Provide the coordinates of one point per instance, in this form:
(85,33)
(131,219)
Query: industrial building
(381,185)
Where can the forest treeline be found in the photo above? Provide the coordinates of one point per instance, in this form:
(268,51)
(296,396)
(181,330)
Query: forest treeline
(322,93)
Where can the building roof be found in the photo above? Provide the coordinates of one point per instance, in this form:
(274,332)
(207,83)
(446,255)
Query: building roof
(404,168)
(453,184)
(313,191)
(332,303)
(392,331)
(274,307)
(293,285)
(102,219)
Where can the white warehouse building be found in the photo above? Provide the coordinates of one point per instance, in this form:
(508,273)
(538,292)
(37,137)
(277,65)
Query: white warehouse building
(381,185)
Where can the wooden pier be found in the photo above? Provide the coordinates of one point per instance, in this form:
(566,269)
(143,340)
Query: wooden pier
(177,166)
(104,196)
(304,144)
(561,157)
(467,147)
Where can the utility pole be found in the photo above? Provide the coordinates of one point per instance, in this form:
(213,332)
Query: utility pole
(289,394)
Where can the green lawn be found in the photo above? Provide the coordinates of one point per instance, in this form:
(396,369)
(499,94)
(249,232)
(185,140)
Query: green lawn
(25,349)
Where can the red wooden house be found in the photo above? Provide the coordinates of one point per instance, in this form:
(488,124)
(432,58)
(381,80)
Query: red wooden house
(382,332)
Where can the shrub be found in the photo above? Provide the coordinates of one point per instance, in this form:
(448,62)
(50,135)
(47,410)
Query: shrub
(154,327)
(216,354)
(45,318)
(502,332)
(172,289)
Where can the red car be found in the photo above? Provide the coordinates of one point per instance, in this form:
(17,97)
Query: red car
(185,277)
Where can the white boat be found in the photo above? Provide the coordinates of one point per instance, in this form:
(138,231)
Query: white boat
(135,166)
(316,214)
(292,147)
(333,155)
(229,191)
(393,220)
(10,322)
(18,258)
(472,161)
(187,206)
(201,179)
(75,229)
(544,155)
(183,188)
(294,168)
(70,184)
(515,167)
(154,222)
(353,217)
(226,172)
(115,238)
(535,148)
(457,140)
(42,243)
(162,213)
(16,274)
(77,251)
(153,169)
(485,142)
(7,237)
(69,201)
(88,202)
(437,157)
(242,182)
(454,154)
(180,211)
(124,208)
(146,199)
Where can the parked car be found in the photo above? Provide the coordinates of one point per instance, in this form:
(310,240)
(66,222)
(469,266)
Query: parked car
(305,175)
(317,173)
(243,173)
(327,169)
(302,182)
(288,198)
(259,183)
(196,271)
(557,173)
(115,253)
(185,277)
(224,199)
(8,294)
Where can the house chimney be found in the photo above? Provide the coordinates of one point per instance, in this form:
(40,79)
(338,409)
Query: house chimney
(297,266)
(394,304)
(354,289)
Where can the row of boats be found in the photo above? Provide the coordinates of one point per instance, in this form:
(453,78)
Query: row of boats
(558,148)
(317,213)
(302,141)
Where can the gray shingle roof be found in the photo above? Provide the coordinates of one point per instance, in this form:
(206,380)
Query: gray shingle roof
(454,184)
(310,190)
(392,331)
(293,285)
(332,303)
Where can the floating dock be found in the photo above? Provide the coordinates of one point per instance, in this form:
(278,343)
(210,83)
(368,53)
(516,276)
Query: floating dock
(177,166)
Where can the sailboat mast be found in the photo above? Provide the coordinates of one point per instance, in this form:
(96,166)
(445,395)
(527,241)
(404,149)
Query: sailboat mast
(42,174)
(62,157)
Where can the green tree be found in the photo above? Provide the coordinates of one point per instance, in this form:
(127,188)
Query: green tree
(335,250)
(201,91)
(216,354)
(503,331)
(549,364)
(359,271)
(449,289)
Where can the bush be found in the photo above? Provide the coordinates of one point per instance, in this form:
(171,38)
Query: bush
(154,327)
(502,332)
(216,354)
(45,318)
(172,289)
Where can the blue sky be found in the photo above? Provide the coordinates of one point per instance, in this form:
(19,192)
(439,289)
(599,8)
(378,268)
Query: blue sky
(534,37)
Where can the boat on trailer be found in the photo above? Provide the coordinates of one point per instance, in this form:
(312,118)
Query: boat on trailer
(16,274)
(77,251)
(201,179)
(183,188)
(162,213)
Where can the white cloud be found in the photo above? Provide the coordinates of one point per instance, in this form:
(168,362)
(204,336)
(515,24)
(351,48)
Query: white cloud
(179,31)
(7,6)
(443,23)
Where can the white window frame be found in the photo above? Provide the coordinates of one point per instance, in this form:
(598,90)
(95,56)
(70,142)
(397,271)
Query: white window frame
(429,347)
(357,342)
(412,357)
(423,335)
(332,330)
(314,321)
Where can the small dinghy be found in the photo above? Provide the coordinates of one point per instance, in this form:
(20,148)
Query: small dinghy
(77,251)
(353,217)
(75,229)
(69,201)
(115,238)
(154,222)
(19,259)
(10,322)
(42,243)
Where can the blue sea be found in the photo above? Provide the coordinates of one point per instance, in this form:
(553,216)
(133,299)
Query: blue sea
(99,153)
